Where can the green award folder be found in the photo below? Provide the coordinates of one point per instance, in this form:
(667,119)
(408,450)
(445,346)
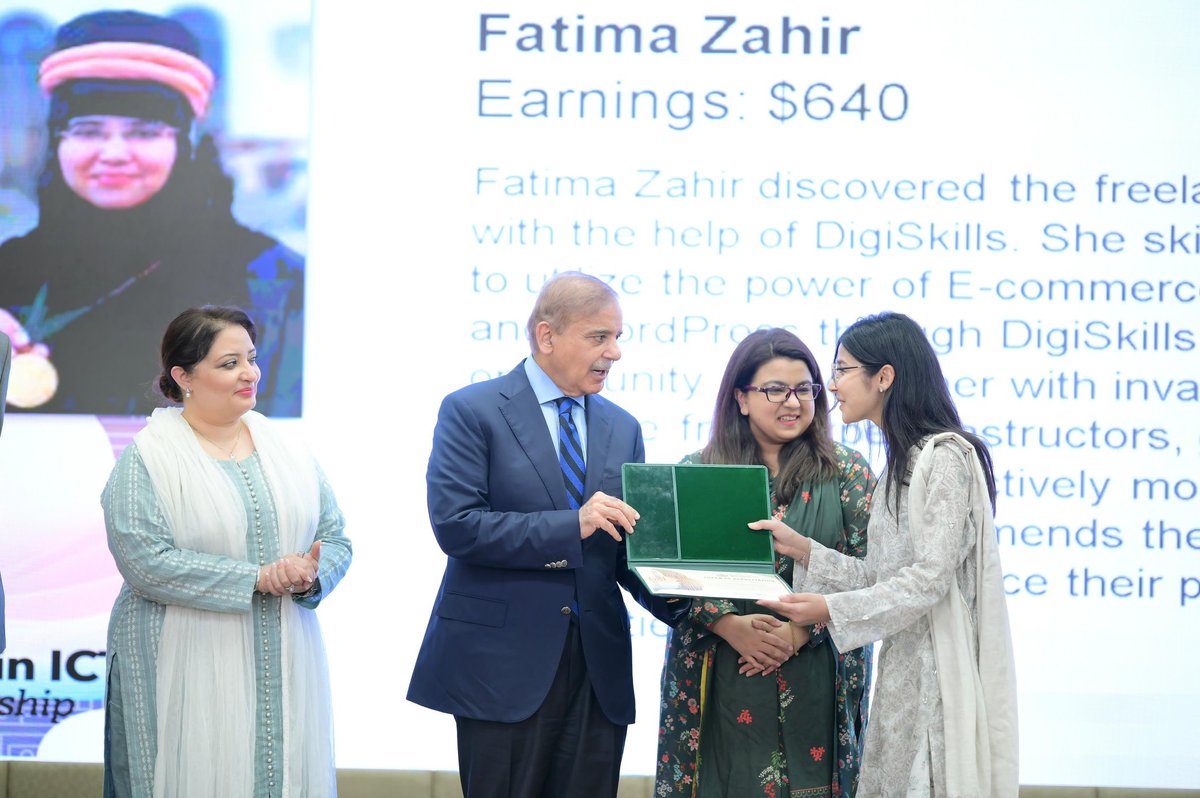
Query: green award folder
(692,539)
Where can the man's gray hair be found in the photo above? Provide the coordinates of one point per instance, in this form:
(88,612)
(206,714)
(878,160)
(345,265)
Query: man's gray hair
(566,297)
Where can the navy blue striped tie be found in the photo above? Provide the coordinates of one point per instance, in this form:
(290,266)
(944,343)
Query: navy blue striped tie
(570,453)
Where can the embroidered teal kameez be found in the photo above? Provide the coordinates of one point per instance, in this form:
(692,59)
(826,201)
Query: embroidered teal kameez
(156,573)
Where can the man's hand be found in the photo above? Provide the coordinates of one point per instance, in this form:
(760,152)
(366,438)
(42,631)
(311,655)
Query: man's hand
(606,512)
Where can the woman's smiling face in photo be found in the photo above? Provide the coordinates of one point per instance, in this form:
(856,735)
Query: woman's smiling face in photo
(116,162)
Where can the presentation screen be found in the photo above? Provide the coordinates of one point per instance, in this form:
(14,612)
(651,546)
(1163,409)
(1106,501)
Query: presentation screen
(1019,177)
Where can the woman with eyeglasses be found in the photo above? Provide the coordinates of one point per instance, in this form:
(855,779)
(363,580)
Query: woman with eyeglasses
(752,704)
(134,225)
(944,719)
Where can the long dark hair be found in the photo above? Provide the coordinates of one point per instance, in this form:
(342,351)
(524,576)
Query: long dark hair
(809,457)
(918,402)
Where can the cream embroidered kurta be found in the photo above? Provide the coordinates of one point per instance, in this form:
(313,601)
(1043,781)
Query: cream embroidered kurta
(156,573)
(890,594)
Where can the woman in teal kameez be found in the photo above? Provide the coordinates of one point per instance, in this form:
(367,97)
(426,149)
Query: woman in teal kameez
(227,535)
(736,719)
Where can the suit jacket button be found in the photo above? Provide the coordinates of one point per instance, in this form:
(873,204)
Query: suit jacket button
(565,610)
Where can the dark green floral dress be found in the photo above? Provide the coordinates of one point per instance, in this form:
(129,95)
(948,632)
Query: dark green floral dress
(795,733)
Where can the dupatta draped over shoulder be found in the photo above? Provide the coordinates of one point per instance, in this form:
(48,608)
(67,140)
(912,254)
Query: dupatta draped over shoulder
(205,680)
(974,655)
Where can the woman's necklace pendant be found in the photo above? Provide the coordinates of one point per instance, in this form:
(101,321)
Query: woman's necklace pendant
(230,452)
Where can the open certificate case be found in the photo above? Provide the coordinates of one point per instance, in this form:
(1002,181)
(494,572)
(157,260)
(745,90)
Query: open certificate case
(692,539)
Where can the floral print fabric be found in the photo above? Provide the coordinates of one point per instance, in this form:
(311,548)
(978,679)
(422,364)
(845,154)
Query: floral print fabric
(796,732)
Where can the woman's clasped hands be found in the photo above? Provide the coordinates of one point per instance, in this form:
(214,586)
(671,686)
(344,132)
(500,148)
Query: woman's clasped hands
(290,574)
(762,642)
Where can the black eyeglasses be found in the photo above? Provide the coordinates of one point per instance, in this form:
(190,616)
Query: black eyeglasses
(778,394)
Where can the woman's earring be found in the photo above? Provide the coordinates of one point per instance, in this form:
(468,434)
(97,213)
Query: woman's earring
(187,393)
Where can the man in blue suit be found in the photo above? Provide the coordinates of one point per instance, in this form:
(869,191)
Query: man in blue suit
(528,643)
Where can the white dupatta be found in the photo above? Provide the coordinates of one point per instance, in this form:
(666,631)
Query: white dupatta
(975,668)
(206,691)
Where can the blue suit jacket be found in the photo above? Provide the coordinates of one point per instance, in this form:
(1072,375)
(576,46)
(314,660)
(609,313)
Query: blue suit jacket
(515,558)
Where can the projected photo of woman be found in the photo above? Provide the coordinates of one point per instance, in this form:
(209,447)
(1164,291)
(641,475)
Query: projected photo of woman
(134,225)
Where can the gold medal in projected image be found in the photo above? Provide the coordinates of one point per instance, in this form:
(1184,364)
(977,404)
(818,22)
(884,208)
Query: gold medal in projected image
(32,382)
